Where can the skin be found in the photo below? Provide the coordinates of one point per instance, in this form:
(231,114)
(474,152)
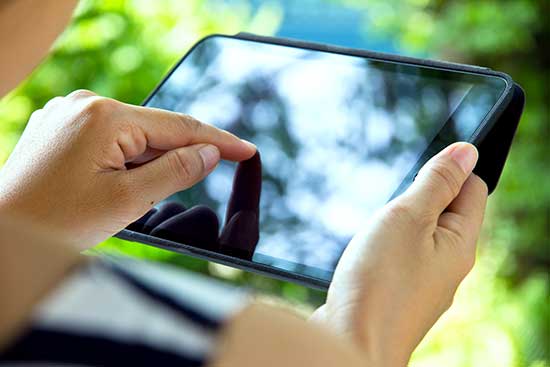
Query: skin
(398,276)
(87,142)
(86,166)
(27,30)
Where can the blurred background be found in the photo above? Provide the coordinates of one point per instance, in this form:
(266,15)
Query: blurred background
(501,314)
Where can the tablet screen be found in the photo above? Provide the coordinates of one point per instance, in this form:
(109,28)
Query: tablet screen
(338,135)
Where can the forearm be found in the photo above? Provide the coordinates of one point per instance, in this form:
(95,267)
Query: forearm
(32,263)
(27,30)
(261,335)
(377,338)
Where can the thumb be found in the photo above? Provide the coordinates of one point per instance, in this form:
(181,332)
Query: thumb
(174,171)
(440,180)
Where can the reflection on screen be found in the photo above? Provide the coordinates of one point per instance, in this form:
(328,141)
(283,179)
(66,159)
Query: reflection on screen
(337,135)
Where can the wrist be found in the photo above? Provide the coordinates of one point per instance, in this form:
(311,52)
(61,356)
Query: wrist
(378,342)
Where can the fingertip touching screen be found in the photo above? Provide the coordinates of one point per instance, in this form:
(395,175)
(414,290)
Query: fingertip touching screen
(337,136)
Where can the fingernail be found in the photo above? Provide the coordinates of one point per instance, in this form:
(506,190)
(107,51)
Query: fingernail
(466,156)
(249,144)
(210,156)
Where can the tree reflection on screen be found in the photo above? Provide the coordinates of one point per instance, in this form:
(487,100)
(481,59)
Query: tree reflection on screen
(337,136)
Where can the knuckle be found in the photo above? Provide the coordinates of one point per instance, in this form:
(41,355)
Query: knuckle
(182,168)
(480,185)
(52,102)
(100,106)
(456,239)
(94,113)
(130,139)
(131,130)
(468,262)
(456,226)
(80,93)
(190,124)
(448,302)
(446,177)
(36,115)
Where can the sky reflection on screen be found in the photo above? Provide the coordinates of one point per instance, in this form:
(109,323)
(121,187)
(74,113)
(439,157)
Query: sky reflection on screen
(337,136)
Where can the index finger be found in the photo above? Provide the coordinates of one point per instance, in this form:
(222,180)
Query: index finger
(469,207)
(166,130)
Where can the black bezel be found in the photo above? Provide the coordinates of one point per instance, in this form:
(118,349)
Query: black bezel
(479,134)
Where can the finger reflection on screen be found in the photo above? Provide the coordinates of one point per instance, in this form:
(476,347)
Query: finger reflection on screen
(337,137)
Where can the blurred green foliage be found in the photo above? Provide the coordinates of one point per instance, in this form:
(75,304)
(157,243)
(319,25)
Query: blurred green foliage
(501,317)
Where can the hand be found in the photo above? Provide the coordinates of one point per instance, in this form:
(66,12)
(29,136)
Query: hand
(86,166)
(399,275)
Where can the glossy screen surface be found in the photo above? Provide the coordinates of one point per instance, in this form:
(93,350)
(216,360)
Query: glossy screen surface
(338,135)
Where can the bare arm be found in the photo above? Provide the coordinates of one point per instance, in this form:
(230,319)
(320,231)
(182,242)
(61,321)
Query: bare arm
(268,337)
(258,336)
(27,30)
(48,178)
(44,214)
(393,282)
(32,263)
(34,259)
(68,173)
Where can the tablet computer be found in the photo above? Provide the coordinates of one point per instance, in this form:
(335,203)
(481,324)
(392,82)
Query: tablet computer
(340,132)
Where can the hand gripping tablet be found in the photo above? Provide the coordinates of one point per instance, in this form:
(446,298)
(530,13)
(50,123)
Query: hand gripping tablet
(195,231)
